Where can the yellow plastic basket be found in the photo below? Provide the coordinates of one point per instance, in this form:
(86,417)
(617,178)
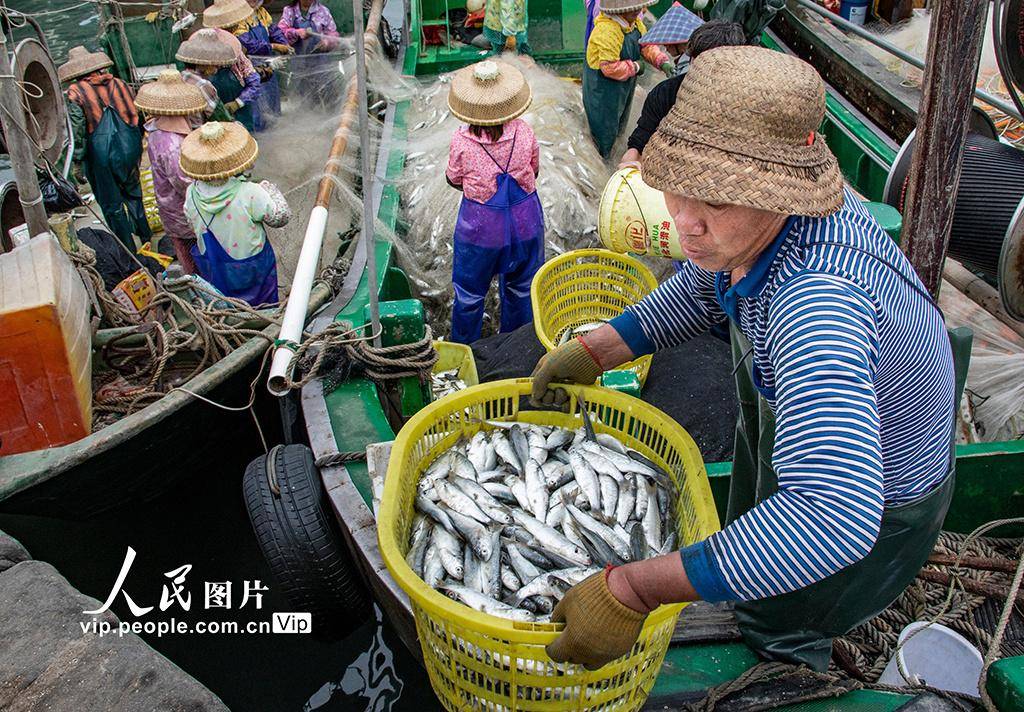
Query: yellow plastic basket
(584,286)
(480,662)
(452,355)
(149,200)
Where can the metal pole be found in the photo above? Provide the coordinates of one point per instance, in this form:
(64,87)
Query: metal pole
(368,237)
(12,118)
(954,49)
(910,59)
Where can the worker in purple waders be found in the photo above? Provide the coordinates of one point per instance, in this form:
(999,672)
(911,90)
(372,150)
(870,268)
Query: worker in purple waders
(494,161)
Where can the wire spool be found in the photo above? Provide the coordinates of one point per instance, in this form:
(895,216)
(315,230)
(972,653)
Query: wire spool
(988,221)
(45,113)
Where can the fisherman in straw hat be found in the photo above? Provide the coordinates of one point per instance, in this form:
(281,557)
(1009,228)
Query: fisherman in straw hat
(843,473)
(253,27)
(500,229)
(169,103)
(229,214)
(213,65)
(613,64)
(108,143)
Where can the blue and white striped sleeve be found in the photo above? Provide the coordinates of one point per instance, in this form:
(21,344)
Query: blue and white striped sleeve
(680,308)
(822,341)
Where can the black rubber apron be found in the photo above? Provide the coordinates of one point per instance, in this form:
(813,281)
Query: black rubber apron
(798,627)
(607,101)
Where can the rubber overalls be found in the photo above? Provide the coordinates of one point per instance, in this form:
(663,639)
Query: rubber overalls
(309,67)
(228,89)
(607,101)
(253,279)
(798,627)
(112,166)
(269,101)
(504,236)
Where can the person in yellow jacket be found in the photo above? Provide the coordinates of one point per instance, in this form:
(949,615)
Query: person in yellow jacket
(613,64)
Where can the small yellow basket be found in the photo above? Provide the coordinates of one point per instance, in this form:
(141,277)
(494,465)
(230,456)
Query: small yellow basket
(149,200)
(481,662)
(452,355)
(584,286)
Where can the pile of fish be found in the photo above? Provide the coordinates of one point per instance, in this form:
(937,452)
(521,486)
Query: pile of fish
(509,520)
(445,383)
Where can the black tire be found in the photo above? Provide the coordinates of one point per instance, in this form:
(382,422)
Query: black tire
(300,540)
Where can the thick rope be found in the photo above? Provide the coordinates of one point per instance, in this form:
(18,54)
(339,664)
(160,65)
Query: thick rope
(997,637)
(340,458)
(388,363)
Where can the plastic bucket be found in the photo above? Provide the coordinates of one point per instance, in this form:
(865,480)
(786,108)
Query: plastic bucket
(451,355)
(481,662)
(935,656)
(856,11)
(632,218)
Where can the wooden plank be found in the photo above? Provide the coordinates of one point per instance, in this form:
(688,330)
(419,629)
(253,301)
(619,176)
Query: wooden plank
(951,70)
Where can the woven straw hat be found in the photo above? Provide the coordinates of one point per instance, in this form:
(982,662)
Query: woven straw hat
(489,93)
(743,132)
(226,13)
(81,62)
(217,150)
(205,49)
(169,95)
(619,7)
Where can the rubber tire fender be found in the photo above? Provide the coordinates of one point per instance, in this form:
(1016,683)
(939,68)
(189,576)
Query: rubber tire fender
(300,540)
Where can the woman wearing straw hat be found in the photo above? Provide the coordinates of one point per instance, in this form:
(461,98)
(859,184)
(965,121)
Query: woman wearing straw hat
(612,66)
(259,37)
(843,471)
(169,103)
(108,143)
(500,229)
(229,214)
(209,59)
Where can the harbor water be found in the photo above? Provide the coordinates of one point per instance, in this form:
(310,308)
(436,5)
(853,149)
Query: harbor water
(203,525)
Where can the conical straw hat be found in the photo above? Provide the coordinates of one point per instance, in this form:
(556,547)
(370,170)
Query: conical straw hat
(217,150)
(81,62)
(169,95)
(226,13)
(743,132)
(205,49)
(618,7)
(488,93)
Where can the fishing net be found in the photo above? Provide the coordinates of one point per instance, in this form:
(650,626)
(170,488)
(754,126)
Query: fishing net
(993,403)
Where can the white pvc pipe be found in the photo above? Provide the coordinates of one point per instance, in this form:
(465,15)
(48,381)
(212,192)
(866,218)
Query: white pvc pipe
(298,301)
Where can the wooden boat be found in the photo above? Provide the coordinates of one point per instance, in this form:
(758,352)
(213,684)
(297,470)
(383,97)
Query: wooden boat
(129,460)
(350,417)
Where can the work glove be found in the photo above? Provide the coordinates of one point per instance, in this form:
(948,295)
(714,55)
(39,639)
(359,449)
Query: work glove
(233,106)
(568,363)
(598,628)
(282,48)
(669,69)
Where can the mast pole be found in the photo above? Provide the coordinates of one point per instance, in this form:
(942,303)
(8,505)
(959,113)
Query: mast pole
(309,257)
(951,70)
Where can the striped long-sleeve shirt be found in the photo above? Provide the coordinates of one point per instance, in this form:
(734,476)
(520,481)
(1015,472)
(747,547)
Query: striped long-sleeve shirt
(856,365)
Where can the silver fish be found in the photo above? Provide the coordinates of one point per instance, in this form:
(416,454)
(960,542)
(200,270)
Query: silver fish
(551,540)
(486,604)
(559,438)
(536,491)
(492,567)
(652,521)
(627,501)
(434,512)
(509,579)
(506,452)
(491,475)
(525,570)
(587,478)
(637,542)
(418,543)
(490,506)
(543,585)
(640,509)
(474,533)
(520,444)
(609,441)
(457,500)
(609,495)
(433,570)
(606,533)
(450,551)
(518,489)
(500,491)
(462,466)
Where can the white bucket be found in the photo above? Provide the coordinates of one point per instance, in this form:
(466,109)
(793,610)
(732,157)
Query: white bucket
(632,218)
(936,656)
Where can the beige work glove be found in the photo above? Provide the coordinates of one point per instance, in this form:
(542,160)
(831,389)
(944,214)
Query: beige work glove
(598,628)
(568,363)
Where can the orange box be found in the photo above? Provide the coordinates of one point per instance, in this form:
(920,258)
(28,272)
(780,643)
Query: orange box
(45,349)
